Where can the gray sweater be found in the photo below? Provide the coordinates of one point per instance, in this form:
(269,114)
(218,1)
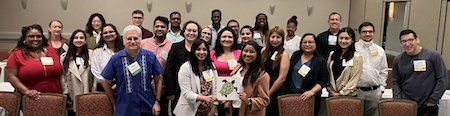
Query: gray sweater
(423,87)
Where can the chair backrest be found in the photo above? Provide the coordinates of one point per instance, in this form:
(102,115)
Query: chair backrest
(11,102)
(397,107)
(345,106)
(93,104)
(293,105)
(49,104)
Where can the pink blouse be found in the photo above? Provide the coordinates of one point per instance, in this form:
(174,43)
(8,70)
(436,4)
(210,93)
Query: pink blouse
(222,67)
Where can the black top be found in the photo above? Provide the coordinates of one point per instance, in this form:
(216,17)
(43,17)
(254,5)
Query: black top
(337,68)
(318,74)
(322,43)
(177,56)
(273,73)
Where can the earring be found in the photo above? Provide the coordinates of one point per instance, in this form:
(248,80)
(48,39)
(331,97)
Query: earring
(24,42)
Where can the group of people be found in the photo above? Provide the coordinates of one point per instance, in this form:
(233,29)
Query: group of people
(141,71)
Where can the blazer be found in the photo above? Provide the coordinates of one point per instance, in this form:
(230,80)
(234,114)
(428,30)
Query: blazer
(259,93)
(190,88)
(177,56)
(319,73)
(347,82)
(76,81)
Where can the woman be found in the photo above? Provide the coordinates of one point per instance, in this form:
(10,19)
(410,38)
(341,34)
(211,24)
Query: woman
(276,63)
(77,78)
(109,44)
(308,82)
(261,29)
(292,42)
(178,54)
(55,38)
(197,92)
(246,34)
(207,35)
(225,53)
(93,29)
(255,82)
(345,65)
(33,66)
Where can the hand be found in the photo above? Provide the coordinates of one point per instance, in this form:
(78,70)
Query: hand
(334,94)
(156,108)
(306,95)
(431,104)
(171,97)
(209,99)
(33,94)
(243,96)
(114,87)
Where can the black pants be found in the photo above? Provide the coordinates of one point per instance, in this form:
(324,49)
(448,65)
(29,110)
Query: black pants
(427,110)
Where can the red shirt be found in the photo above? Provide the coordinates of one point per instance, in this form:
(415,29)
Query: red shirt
(34,75)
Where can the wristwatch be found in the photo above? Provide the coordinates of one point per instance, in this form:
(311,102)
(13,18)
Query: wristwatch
(158,100)
(249,101)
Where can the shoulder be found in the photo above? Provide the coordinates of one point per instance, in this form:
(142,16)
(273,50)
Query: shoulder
(65,40)
(323,33)
(186,65)
(146,52)
(63,55)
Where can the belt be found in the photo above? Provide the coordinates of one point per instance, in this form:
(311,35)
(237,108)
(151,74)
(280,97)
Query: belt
(368,88)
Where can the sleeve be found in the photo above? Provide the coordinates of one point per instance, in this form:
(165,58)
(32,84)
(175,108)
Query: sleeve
(350,87)
(396,79)
(170,71)
(13,61)
(184,79)
(64,75)
(157,68)
(95,66)
(383,70)
(109,72)
(323,76)
(262,96)
(441,75)
(329,87)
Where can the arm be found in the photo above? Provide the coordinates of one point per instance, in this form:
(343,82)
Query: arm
(12,73)
(383,70)
(284,68)
(109,92)
(396,79)
(350,87)
(262,98)
(63,76)
(441,75)
(158,81)
(95,66)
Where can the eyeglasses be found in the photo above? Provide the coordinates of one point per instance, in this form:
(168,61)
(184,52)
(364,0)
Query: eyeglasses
(409,41)
(108,32)
(308,42)
(137,18)
(206,33)
(367,31)
(191,30)
(79,37)
(132,38)
(96,21)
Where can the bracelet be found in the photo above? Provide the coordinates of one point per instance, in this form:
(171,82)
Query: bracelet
(249,101)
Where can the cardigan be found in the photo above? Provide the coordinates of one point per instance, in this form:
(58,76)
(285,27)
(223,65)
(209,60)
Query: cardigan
(347,82)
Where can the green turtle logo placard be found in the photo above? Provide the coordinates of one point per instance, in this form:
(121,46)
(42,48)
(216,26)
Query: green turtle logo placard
(227,88)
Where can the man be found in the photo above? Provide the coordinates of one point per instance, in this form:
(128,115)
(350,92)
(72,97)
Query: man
(132,69)
(159,45)
(327,40)
(175,29)
(375,70)
(233,24)
(216,17)
(137,19)
(419,74)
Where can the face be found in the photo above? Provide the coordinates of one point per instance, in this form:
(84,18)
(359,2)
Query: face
(246,35)
(55,28)
(190,34)
(334,21)
(206,34)
(275,39)
(366,33)
(409,44)
(216,18)
(34,39)
(234,26)
(262,20)
(79,40)
(132,41)
(291,28)
(345,40)
(226,39)
(201,52)
(96,23)
(249,54)
(137,19)
(160,29)
(109,34)
(175,20)
(308,44)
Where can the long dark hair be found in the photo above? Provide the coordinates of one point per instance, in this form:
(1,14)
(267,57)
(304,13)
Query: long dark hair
(351,49)
(89,27)
(118,44)
(316,52)
(269,48)
(266,28)
(193,60)
(21,45)
(218,47)
(72,53)
(255,69)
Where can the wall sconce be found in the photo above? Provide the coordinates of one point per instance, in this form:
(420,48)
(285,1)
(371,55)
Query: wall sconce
(149,6)
(391,10)
(188,6)
(24,4)
(309,9)
(64,4)
(272,9)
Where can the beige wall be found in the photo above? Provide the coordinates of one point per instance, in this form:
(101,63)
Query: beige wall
(13,16)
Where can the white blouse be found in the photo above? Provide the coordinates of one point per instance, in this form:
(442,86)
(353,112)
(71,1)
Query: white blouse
(100,57)
(292,45)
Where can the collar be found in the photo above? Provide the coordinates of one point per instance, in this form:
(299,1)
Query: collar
(212,27)
(95,34)
(162,44)
(124,52)
(365,43)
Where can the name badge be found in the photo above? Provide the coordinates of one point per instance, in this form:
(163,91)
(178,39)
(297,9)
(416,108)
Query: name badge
(232,63)
(47,60)
(134,68)
(332,40)
(274,55)
(164,55)
(208,75)
(256,35)
(420,65)
(347,63)
(304,70)
(65,47)
(79,60)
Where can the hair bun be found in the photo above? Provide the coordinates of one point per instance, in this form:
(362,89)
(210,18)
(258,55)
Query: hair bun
(294,17)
